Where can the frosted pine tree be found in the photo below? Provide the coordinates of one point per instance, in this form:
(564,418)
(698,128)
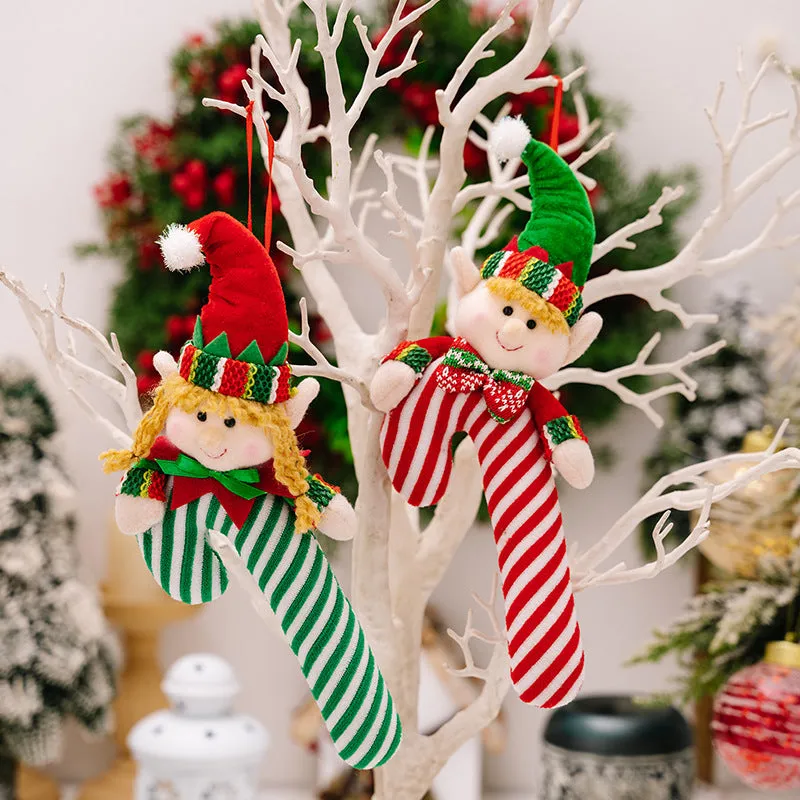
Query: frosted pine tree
(731,390)
(58,658)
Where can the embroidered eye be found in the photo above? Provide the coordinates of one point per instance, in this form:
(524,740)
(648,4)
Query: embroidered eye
(230,422)
(508,311)
(202,416)
(531,324)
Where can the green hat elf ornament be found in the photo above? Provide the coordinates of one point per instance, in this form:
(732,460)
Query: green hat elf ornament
(518,320)
(217,452)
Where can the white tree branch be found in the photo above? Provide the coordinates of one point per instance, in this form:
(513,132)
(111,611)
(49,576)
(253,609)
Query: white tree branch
(76,376)
(612,379)
(659,499)
(322,367)
(650,284)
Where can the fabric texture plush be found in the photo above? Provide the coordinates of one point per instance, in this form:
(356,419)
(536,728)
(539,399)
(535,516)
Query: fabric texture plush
(514,451)
(314,614)
(561,220)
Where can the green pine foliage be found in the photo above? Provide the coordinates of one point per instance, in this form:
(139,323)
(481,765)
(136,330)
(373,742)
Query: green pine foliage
(175,171)
(58,658)
(727,627)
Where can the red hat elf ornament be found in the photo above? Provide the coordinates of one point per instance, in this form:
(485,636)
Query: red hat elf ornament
(217,452)
(518,320)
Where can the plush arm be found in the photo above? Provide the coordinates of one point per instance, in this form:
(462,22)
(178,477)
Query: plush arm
(402,368)
(144,480)
(419,354)
(556,425)
(338,519)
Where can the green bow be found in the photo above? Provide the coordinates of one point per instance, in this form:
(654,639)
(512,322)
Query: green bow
(235,480)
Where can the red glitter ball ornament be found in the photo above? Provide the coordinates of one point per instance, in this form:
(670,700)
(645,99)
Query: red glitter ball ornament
(756,725)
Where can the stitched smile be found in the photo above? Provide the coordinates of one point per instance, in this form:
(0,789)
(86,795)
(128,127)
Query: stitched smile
(217,456)
(508,349)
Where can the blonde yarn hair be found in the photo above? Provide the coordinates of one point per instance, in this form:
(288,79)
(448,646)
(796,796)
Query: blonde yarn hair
(175,392)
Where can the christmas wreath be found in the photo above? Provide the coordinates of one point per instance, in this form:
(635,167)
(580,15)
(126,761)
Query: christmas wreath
(176,170)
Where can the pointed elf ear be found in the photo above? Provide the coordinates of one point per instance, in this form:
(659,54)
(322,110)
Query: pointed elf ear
(583,333)
(165,364)
(297,405)
(466,275)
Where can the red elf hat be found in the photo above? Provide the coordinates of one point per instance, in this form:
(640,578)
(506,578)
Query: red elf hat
(241,336)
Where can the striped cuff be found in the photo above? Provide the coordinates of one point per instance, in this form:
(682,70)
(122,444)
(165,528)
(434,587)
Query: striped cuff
(320,492)
(560,430)
(416,356)
(141,481)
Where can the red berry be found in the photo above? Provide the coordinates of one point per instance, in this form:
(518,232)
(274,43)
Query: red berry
(474,158)
(144,361)
(149,255)
(176,328)
(420,100)
(224,186)
(194,199)
(114,191)
(180,183)
(229,83)
(195,171)
(195,40)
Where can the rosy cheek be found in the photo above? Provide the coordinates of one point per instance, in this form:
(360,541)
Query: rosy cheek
(179,430)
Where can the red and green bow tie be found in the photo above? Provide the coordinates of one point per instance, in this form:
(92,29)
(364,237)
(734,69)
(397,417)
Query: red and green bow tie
(463,370)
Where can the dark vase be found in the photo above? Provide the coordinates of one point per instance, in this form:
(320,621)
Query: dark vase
(604,747)
(8,778)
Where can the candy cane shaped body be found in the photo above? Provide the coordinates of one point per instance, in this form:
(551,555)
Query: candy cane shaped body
(547,659)
(314,614)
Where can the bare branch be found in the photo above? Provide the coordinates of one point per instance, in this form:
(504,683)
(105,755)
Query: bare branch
(454,516)
(650,284)
(72,373)
(658,499)
(612,379)
(322,367)
(653,218)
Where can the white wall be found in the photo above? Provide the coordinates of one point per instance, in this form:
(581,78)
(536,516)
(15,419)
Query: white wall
(69,71)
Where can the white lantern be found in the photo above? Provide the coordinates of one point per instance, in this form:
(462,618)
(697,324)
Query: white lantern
(199,749)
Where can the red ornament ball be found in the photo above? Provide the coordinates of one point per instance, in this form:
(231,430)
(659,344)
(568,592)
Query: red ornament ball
(756,725)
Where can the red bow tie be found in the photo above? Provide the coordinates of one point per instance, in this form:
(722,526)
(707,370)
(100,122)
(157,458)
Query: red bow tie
(463,370)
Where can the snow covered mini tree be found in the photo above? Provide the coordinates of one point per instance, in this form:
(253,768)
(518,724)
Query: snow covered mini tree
(397,562)
(58,657)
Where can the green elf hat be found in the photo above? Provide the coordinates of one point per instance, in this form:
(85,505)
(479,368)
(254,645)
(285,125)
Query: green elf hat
(545,267)
(245,313)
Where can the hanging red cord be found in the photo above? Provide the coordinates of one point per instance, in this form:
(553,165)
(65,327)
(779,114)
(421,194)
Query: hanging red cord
(556,124)
(270,158)
(268,212)
(249,128)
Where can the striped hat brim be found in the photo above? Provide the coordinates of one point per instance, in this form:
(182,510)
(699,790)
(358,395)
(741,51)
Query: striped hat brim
(262,383)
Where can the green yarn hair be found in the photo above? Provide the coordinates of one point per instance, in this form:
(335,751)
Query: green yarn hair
(561,219)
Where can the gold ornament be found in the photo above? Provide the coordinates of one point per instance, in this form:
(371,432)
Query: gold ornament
(756,520)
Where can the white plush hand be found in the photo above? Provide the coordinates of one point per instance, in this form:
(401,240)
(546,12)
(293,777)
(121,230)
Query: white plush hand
(573,460)
(391,384)
(137,514)
(338,520)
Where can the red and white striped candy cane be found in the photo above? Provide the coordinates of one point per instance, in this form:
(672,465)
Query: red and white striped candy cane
(544,642)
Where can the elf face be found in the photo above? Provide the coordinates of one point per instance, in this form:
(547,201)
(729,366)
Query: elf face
(219,443)
(507,336)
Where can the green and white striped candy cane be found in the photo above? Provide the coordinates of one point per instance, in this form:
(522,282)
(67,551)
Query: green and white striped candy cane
(315,616)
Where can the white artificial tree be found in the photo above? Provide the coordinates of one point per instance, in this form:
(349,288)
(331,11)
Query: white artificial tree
(397,562)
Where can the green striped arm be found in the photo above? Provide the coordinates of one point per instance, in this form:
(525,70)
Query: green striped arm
(316,618)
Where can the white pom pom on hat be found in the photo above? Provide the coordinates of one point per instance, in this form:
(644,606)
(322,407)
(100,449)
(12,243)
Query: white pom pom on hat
(181,248)
(508,138)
